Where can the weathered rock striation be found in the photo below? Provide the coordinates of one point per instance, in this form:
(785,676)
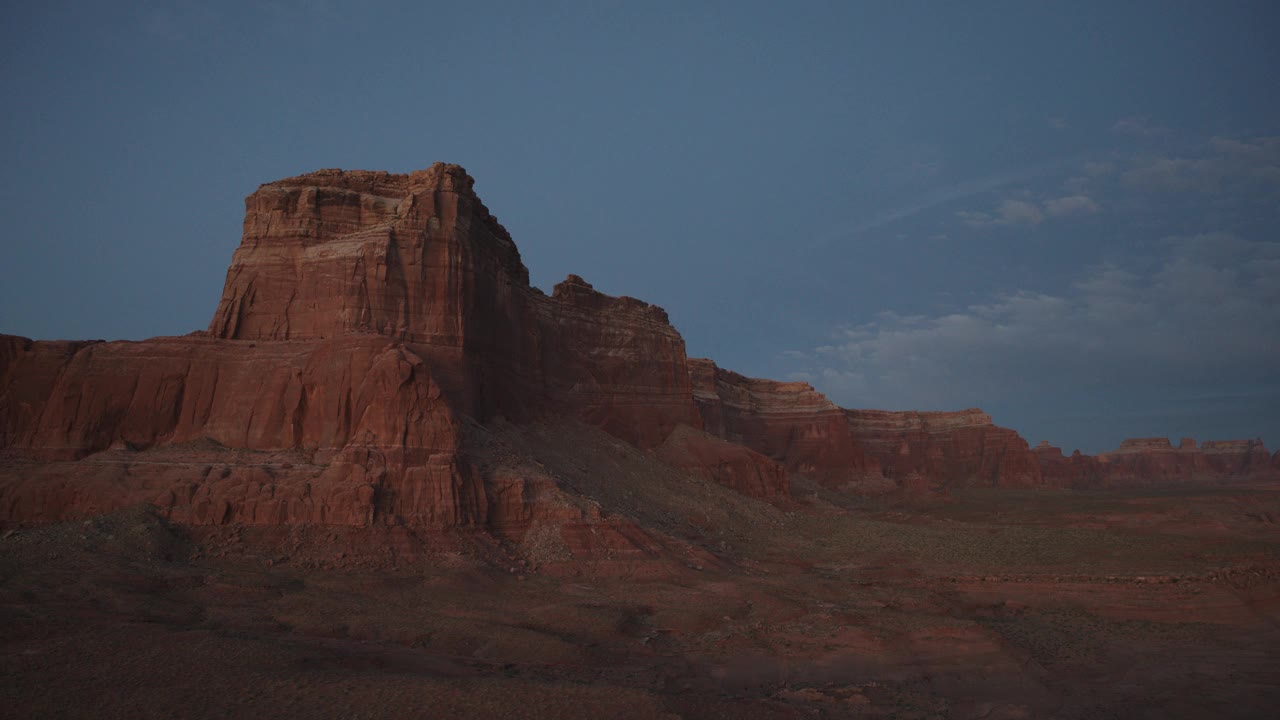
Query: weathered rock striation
(362,414)
(366,318)
(1154,460)
(952,449)
(419,258)
(789,422)
(370,320)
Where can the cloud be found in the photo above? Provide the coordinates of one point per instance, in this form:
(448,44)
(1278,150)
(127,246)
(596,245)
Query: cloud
(1071,205)
(1098,168)
(1204,313)
(1224,165)
(1029,213)
(1139,126)
(938,196)
(1010,213)
(1058,123)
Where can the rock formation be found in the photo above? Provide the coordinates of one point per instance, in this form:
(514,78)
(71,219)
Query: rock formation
(1074,470)
(361,413)
(368,319)
(729,464)
(365,318)
(790,422)
(947,448)
(1153,460)
(1156,460)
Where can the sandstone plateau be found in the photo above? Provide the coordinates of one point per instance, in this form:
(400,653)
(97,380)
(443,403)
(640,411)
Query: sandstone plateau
(392,479)
(368,317)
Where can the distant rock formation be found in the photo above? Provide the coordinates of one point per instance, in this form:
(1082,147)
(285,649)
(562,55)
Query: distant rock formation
(1156,460)
(369,318)
(789,422)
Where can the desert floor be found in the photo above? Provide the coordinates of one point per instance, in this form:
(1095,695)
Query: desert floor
(984,604)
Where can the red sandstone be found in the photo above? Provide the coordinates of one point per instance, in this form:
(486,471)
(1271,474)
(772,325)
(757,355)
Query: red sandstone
(367,318)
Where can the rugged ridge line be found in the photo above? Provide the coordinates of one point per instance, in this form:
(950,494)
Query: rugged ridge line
(369,319)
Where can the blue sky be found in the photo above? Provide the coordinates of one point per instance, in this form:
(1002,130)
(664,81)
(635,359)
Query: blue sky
(1065,213)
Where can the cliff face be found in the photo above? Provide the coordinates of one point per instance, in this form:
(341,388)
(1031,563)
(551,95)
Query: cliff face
(416,258)
(370,319)
(954,449)
(1153,460)
(363,414)
(799,427)
(1156,460)
(791,423)
(419,259)
(365,318)
(1075,470)
(614,362)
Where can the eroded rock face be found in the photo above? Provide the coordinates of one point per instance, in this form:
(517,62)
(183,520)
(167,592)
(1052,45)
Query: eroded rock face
(417,258)
(420,259)
(365,315)
(614,362)
(1076,470)
(800,428)
(361,410)
(788,422)
(952,449)
(729,464)
(1154,460)
(369,318)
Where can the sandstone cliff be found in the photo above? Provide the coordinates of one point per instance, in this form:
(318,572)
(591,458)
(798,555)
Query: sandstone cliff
(1156,460)
(366,318)
(789,422)
(953,449)
(1153,460)
(797,426)
(370,321)
(361,413)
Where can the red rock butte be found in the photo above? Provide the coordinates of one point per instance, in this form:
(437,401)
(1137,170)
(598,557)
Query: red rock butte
(370,319)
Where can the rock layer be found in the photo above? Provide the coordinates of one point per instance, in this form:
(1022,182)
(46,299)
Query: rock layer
(362,408)
(951,449)
(788,422)
(1156,460)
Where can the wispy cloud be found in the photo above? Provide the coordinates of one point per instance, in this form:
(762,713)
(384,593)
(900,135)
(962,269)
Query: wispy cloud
(1026,213)
(1224,164)
(1071,205)
(937,197)
(1139,126)
(1205,311)
(1010,213)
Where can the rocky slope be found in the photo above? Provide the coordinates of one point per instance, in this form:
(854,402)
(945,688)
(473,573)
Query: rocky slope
(370,321)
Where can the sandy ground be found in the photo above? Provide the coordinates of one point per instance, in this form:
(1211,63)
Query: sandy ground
(1151,603)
